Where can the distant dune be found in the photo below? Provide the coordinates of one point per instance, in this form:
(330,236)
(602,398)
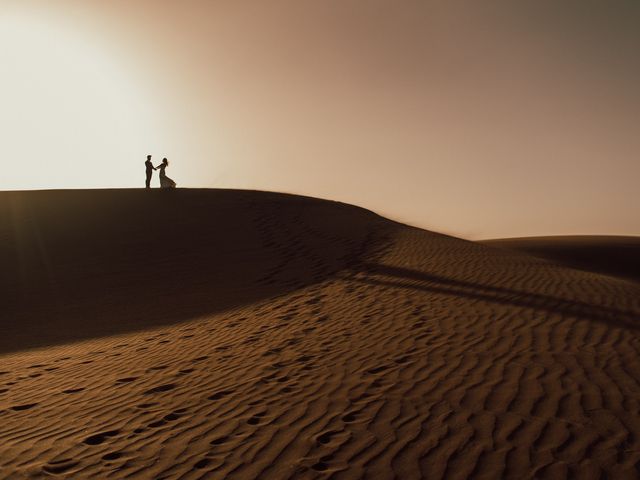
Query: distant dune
(235,334)
(617,256)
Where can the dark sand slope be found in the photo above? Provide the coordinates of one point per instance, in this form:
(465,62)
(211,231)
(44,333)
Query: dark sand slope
(103,262)
(312,340)
(617,256)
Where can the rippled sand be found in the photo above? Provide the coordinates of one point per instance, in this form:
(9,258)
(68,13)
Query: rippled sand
(233,334)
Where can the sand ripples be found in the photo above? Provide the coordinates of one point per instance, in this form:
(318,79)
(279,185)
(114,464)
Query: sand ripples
(424,357)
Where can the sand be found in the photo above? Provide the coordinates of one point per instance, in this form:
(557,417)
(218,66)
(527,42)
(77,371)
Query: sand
(617,256)
(232,334)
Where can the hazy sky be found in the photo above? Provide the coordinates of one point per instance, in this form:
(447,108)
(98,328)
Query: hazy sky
(482,119)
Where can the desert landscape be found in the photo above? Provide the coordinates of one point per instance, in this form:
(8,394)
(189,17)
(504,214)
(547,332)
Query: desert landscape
(195,334)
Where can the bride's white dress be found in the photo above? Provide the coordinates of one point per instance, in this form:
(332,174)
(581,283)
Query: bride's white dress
(165,182)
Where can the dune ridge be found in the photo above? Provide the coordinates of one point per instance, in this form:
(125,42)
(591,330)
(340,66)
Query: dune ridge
(354,347)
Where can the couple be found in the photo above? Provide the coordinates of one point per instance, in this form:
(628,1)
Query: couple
(165,182)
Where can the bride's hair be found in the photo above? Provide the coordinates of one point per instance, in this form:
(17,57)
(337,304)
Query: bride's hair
(165,161)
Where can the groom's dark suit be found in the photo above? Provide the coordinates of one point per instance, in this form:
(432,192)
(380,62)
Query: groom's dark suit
(149,166)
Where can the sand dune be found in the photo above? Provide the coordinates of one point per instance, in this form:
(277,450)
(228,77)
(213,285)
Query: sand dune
(234,334)
(618,256)
(127,260)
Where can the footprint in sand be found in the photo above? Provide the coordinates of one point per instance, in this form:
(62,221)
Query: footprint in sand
(111,456)
(126,379)
(73,390)
(99,438)
(350,417)
(170,417)
(219,441)
(56,467)
(255,420)
(160,388)
(220,394)
(202,463)
(323,464)
(326,437)
(26,406)
(382,368)
(320,466)
(402,360)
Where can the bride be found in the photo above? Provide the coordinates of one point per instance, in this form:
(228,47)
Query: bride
(165,182)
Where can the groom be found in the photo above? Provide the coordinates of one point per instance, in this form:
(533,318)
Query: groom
(150,169)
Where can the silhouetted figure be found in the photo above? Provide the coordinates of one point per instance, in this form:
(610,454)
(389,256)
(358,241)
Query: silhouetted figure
(165,182)
(150,168)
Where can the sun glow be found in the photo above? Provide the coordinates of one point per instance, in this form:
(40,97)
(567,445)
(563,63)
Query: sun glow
(70,117)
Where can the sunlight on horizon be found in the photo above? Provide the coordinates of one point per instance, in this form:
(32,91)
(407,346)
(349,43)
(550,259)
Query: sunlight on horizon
(71,116)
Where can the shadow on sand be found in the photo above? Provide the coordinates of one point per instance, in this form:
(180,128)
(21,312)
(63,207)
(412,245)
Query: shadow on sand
(81,264)
(398,277)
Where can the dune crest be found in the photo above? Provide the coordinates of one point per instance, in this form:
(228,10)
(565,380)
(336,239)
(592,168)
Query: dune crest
(300,338)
